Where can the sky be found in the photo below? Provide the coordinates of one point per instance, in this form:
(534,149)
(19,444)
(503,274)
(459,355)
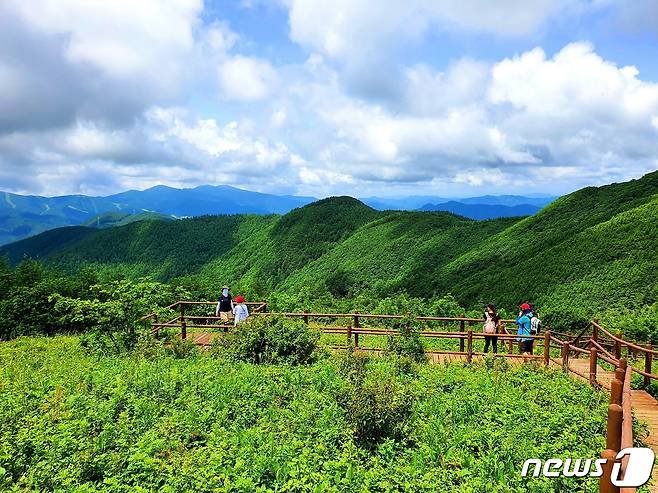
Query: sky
(312,97)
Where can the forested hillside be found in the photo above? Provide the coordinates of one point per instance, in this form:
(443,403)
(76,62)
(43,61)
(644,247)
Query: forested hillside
(584,254)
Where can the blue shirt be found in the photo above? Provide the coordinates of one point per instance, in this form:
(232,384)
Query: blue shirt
(524,324)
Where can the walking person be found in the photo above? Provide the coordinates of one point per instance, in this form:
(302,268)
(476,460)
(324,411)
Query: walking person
(224,308)
(524,321)
(240,310)
(490,329)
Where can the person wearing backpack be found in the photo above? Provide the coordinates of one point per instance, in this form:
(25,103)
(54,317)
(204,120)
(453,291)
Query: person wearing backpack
(224,306)
(524,322)
(490,329)
(535,322)
(240,310)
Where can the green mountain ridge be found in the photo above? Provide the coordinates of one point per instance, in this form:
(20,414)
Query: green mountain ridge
(583,253)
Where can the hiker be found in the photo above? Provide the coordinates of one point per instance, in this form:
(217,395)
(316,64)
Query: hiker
(240,310)
(224,306)
(535,322)
(490,329)
(524,321)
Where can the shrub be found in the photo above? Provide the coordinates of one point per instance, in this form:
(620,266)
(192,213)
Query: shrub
(408,342)
(378,408)
(181,348)
(110,319)
(271,339)
(352,364)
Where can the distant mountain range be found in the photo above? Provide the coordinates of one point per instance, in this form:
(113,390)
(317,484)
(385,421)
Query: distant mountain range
(22,216)
(483,211)
(416,202)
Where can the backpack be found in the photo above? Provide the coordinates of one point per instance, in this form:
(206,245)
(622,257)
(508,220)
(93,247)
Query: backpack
(535,325)
(490,326)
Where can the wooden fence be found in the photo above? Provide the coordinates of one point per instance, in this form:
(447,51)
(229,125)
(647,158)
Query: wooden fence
(594,342)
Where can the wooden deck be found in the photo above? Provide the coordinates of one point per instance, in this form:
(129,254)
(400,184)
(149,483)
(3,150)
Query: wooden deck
(645,408)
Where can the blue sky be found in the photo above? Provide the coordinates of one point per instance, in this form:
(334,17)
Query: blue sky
(442,97)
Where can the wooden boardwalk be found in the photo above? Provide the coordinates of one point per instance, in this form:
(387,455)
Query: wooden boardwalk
(645,408)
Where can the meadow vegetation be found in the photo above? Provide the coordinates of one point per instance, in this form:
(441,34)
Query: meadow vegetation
(154,419)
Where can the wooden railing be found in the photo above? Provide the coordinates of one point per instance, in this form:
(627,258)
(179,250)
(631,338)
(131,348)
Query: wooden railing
(594,341)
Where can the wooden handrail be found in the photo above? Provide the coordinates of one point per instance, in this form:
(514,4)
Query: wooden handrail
(153,314)
(624,341)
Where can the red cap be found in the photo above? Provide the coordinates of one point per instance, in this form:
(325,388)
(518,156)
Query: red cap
(239,299)
(525,306)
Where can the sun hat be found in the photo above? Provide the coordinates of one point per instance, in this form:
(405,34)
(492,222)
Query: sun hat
(525,306)
(239,299)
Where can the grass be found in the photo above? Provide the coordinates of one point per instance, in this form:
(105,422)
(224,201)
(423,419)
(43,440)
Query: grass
(71,421)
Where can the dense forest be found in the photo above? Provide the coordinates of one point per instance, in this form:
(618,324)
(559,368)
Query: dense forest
(588,254)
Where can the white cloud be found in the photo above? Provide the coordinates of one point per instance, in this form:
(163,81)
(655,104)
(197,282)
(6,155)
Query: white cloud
(344,28)
(246,79)
(117,94)
(122,38)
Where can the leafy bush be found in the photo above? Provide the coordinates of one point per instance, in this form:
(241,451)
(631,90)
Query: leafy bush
(408,342)
(352,364)
(271,339)
(379,408)
(181,348)
(110,319)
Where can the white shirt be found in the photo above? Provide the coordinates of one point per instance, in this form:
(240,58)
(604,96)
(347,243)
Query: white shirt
(241,313)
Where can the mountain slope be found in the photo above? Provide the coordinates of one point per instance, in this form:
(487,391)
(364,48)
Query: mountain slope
(582,253)
(155,248)
(386,254)
(608,231)
(113,219)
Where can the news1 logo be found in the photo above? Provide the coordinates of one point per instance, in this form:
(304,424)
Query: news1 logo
(638,469)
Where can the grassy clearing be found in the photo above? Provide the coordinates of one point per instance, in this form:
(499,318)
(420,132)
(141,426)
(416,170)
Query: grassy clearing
(71,421)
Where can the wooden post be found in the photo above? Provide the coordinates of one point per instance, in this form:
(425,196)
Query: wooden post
(620,371)
(593,353)
(462,328)
(510,344)
(183,321)
(469,355)
(605,481)
(305,317)
(356,326)
(613,436)
(618,346)
(647,364)
(565,357)
(349,335)
(595,331)
(616,389)
(547,347)
(155,324)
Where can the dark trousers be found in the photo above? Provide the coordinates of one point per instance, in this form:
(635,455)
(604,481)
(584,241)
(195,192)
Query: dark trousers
(493,340)
(526,346)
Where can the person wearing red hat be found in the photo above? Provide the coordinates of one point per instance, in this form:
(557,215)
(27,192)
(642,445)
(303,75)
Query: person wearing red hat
(525,325)
(240,310)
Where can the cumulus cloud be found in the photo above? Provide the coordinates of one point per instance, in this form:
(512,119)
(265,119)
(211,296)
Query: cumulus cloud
(111,96)
(343,28)
(246,79)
